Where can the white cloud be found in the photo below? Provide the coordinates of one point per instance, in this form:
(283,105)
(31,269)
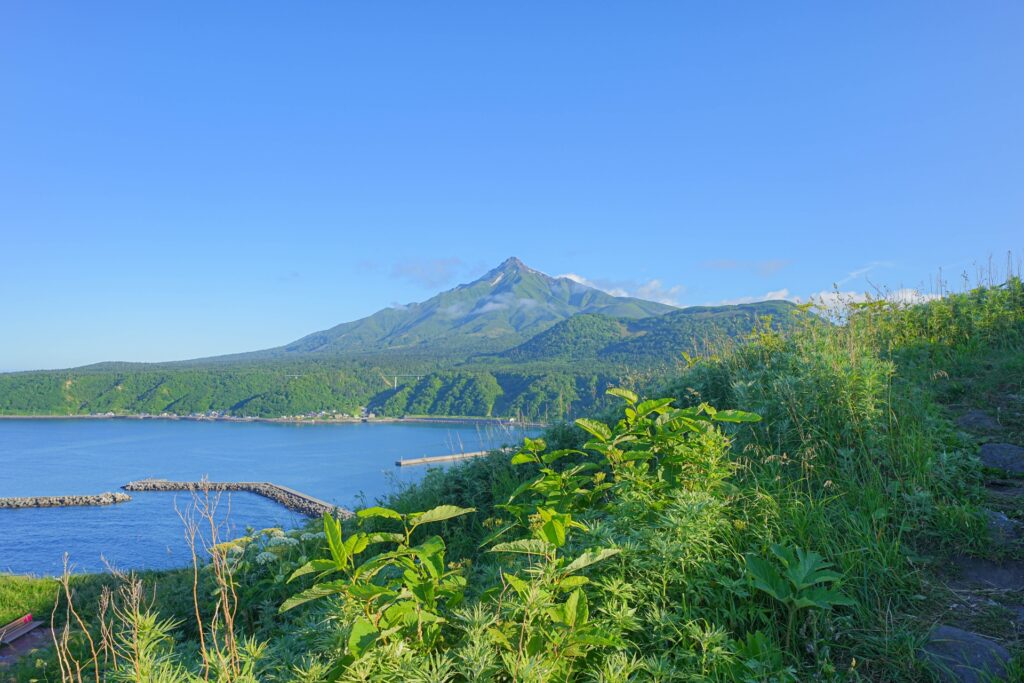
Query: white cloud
(651,290)
(911,296)
(836,302)
(505,300)
(767,296)
(453,311)
(864,270)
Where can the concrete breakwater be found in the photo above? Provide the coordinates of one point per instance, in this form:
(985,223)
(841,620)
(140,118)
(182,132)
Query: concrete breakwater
(431,459)
(290,498)
(63,501)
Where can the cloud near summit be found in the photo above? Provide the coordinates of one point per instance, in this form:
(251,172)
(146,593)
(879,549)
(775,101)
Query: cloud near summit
(651,290)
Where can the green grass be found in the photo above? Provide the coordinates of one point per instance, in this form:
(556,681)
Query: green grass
(21,595)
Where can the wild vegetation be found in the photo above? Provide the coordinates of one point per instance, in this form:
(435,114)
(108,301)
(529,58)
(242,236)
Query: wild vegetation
(784,512)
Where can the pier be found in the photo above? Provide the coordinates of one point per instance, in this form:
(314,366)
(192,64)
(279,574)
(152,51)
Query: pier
(63,501)
(288,497)
(429,460)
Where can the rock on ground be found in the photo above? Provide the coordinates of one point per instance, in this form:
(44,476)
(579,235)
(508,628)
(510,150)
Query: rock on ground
(977,421)
(1003,456)
(1004,531)
(1007,575)
(964,657)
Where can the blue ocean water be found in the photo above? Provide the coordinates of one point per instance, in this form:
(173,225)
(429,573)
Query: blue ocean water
(339,463)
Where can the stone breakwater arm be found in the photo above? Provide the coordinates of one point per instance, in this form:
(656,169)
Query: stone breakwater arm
(290,498)
(63,501)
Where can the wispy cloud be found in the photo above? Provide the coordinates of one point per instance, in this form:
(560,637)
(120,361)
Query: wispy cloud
(500,302)
(767,296)
(833,299)
(427,273)
(858,273)
(651,290)
(764,268)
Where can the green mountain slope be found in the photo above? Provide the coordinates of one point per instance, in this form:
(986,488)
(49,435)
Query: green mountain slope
(651,340)
(505,307)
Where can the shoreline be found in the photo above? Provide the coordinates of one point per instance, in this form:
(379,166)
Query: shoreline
(419,419)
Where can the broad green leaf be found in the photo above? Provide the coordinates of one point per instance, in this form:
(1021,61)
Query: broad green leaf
(823,598)
(523,458)
(439,514)
(385,537)
(599,638)
(369,591)
(356,544)
(362,636)
(766,577)
(553,532)
(559,614)
(320,590)
(652,406)
(403,612)
(499,638)
(313,567)
(332,530)
(520,586)
(526,546)
(534,445)
(595,428)
(624,394)
(572,582)
(553,456)
(431,554)
(572,606)
(378,511)
(735,416)
(580,607)
(590,557)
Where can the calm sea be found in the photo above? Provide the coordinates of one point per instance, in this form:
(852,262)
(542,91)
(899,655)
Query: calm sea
(340,463)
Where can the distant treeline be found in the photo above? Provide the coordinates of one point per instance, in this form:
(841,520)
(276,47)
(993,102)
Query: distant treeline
(273,393)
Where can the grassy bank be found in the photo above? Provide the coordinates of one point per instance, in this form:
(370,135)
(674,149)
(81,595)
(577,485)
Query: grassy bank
(785,513)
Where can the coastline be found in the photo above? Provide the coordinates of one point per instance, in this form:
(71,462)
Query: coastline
(419,419)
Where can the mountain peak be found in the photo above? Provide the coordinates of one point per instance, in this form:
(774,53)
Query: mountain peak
(506,271)
(513,264)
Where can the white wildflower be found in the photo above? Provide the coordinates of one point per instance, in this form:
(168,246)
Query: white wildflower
(266,557)
(282,541)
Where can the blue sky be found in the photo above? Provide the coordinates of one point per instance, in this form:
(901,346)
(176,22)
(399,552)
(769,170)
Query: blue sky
(187,179)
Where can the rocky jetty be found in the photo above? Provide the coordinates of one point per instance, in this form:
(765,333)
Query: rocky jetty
(63,501)
(290,498)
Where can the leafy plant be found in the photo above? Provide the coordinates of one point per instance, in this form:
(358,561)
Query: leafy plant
(803,582)
(403,593)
